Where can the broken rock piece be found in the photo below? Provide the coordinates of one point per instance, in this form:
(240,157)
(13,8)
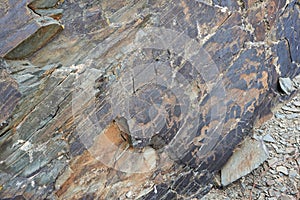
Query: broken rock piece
(32,37)
(286,85)
(248,157)
(24,31)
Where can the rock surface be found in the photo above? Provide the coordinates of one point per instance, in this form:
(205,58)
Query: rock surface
(218,66)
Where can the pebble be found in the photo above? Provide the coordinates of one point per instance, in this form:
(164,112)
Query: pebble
(297,103)
(268,138)
(293,173)
(283,170)
(286,108)
(128,194)
(290,150)
(286,85)
(284,197)
(270,182)
(292,116)
(273,162)
(279,115)
(283,189)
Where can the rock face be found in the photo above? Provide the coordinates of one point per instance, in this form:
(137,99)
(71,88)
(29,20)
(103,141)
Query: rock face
(189,78)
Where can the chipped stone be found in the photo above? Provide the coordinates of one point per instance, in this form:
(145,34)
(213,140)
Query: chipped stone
(290,150)
(279,115)
(286,108)
(282,169)
(129,194)
(286,85)
(293,173)
(270,182)
(296,103)
(273,162)
(269,138)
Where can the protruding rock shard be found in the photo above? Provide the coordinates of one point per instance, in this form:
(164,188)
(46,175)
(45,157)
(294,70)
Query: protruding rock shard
(286,85)
(248,157)
(25,32)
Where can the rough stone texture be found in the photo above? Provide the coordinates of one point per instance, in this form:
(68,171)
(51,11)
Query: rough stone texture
(50,148)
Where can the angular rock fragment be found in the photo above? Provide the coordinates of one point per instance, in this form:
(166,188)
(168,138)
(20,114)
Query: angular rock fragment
(283,170)
(24,32)
(248,157)
(31,38)
(286,85)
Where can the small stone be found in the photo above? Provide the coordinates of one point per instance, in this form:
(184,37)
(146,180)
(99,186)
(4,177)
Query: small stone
(273,172)
(283,170)
(290,150)
(286,108)
(283,189)
(269,138)
(128,194)
(272,162)
(286,85)
(270,182)
(279,115)
(272,192)
(293,173)
(285,197)
(297,103)
(292,116)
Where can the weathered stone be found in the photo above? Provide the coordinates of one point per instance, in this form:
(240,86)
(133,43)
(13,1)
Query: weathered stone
(269,138)
(296,103)
(247,157)
(286,108)
(283,170)
(286,85)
